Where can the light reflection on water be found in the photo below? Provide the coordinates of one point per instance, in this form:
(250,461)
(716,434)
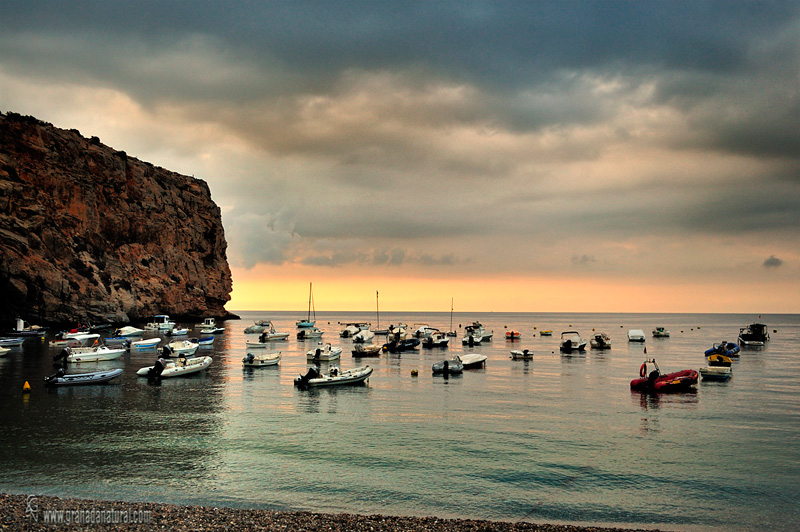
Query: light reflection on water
(557,438)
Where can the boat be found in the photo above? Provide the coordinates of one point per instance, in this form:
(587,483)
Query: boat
(513,335)
(335,377)
(377,330)
(754,335)
(257,327)
(23,328)
(437,339)
(11,342)
(212,330)
(660,332)
(524,354)
(636,335)
(546,332)
(473,360)
(446,367)
(361,350)
(729,349)
(308,322)
(600,341)
(205,341)
(160,322)
(127,331)
(716,359)
(398,346)
(572,341)
(363,336)
(481,331)
(262,360)
(164,369)
(266,336)
(118,340)
(451,333)
(180,348)
(75,340)
(471,336)
(60,378)
(422,330)
(309,332)
(398,332)
(4,351)
(719,368)
(655,381)
(89,354)
(352,329)
(324,353)
(148,343)
(207,323)
(178,332)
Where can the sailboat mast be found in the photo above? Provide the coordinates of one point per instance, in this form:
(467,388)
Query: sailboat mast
(377,309)
(451,313)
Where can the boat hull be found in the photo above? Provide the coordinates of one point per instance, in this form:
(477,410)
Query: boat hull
(670,382)
(96,377)
(261,361)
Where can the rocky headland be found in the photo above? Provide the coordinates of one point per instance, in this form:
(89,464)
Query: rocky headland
(88,233)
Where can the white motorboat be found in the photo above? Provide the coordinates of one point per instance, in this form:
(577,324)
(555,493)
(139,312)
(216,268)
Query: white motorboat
(178,332)
(660,332)
(160,322)
(523,354)
(90,354)
(335,377)
(4,351)
(212,330)
(636,335)
(353,328)
(363,336)
(715,373)
(23,328)
(11,342)
(309,332)
(572,341)
(206,341)
(471,336)
(324,353)
(423,330)
(128,330)
(473,360)
(149,343)
(258,327)
(398,332)
(600,341)
(452,366)
(361,350)
(437,339)
(261,360)
(181,348)
(175,368)
(75,340)
(60,378)
(481,331)
(265,338)
(207,323)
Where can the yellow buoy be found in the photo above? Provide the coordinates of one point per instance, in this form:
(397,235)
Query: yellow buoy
(26,387)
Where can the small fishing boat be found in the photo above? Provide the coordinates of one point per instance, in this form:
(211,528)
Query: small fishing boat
(335,377)
(729,349)
(180,348)
(546,332)
(513,335)
(164,369)
(473,360)
(262,360)
(572,341)
(363,336)
(309,332)
(398,346)
(23,328)
(4,351)
(267,336)
(524,354)
(660,332)
(75,340)
(128,330)
(183,331)
(361,350)
(655,381)
(90,354)
(437,339)
(148,343)
(308,322)
(205,341)
(471,336)
(324,353)
(160,322)
(118,340)
(446,367)
(258,327)
(600,341)
(60,378)
(11,342)
(207,323)
(718,369)
(212,330)
(754,335)
(636,335)
(352,328)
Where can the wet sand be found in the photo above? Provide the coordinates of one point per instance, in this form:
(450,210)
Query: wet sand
(18,512)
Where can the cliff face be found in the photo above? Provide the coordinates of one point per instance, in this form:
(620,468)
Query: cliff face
(88,233)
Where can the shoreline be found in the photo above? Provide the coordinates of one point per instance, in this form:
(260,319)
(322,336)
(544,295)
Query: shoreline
(21,512)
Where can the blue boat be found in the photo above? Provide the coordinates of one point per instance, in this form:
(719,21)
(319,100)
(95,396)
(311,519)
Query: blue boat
(729,349)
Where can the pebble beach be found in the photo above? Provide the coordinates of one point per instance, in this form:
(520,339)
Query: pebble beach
(20,512)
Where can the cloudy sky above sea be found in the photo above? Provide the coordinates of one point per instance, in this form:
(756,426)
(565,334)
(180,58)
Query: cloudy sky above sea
(515,156)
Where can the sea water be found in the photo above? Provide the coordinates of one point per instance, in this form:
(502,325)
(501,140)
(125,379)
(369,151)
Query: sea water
(560,438)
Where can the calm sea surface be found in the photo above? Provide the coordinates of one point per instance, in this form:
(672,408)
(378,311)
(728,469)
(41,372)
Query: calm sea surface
(555,439)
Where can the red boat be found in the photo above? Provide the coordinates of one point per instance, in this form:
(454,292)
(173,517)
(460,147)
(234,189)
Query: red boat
(513,335)
(658,382)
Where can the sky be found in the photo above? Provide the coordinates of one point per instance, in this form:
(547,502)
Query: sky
(614,156)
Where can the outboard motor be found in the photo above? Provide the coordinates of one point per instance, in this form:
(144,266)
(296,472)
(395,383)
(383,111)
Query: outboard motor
(156,370)
(62,356)
(249,358)
(302,380)
(568,344)
(48,381)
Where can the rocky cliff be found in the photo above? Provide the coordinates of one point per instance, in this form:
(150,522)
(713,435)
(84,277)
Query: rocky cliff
(88,233)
